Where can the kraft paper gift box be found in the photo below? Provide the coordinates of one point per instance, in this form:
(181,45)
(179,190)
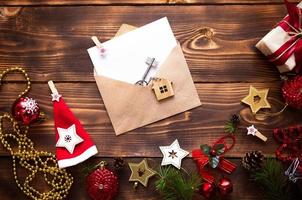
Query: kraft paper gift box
(131,106)
(280,43)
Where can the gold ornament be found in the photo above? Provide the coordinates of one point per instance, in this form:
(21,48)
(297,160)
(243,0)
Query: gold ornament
(35,162)
(141,172)
(257,99)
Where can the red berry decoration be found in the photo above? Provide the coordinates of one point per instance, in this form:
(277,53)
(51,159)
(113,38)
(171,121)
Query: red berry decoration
(225,186)
(102,184)
(292,92)
(207,190)
(26,110)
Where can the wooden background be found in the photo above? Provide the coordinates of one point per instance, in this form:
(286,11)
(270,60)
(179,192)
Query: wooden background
(49,39)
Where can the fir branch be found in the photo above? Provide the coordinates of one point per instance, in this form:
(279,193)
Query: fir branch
(272,180)
(174,185)
(232,125)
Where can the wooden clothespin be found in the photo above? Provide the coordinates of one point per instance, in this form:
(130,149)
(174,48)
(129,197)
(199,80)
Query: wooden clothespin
(251,130)
(99,45)
(55,94)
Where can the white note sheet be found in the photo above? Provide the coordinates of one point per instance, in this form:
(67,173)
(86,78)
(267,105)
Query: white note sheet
(126,55)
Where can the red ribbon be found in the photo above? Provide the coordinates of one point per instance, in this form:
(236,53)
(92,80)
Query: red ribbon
(291,144)
(291,24)
(202,160)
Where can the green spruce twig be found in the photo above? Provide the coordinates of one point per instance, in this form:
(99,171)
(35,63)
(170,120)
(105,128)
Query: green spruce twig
(272,180)
(232,125)
(174,184)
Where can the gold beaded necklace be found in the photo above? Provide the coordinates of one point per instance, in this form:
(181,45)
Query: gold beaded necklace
(35,162)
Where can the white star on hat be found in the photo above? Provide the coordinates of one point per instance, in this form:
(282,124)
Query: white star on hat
(68,138)
(173,154)
(56,97)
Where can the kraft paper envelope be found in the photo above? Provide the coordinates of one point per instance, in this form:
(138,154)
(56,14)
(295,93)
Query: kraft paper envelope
(132,106)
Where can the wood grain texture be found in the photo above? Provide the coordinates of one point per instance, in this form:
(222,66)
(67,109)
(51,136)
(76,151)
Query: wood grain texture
(198,126)
(49,39)
(133,2)
(243,188)
(51,42)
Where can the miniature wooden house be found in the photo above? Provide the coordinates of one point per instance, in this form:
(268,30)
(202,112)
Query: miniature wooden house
(162,88)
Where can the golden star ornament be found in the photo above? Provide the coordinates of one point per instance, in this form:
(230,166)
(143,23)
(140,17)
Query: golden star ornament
(257,99)
(141,172)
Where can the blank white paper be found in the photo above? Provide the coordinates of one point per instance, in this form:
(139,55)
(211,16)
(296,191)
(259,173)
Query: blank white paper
(126,55)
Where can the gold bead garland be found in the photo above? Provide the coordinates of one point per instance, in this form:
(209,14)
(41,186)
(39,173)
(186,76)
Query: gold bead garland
(32,160)
(17,69)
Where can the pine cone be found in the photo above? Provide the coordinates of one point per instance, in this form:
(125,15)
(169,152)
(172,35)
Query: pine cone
(119,163)
(235,119)
(253,161)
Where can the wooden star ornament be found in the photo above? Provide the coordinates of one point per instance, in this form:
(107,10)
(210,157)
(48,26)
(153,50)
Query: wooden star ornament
(173,154)
(257,99)
(141,172)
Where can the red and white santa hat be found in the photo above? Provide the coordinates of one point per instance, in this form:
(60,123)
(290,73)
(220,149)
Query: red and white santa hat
(73,143)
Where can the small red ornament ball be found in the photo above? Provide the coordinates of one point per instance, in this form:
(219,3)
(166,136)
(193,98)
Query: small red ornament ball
(292,92)
(26,110)
(207,190)
(225,186)
(102,184)
(213,152)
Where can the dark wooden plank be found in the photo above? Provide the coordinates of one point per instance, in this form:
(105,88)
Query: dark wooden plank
(201,125)
(243,188)
(51,42)
(133,2)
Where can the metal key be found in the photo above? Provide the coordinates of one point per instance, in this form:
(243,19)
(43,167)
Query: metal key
(151,62)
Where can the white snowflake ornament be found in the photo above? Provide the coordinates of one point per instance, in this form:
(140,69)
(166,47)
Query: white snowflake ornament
(30,105)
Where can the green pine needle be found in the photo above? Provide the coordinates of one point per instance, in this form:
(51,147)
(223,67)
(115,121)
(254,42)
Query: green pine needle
(230,127)
(272,180)
(174,185)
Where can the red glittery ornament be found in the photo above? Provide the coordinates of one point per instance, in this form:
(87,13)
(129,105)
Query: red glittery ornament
(26,110)
(207,190)
(292,92)
(102,184)
(225,186)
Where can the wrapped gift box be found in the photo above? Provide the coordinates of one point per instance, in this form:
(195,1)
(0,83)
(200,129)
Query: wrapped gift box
(280,43)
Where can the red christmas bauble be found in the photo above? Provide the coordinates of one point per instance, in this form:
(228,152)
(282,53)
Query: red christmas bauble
(292,92)
(26,110)
(207,190)
(225,186)
(102,184)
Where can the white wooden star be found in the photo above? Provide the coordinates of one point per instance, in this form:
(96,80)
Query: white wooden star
(251,130)
(56,97)
(68,138)
(173,154)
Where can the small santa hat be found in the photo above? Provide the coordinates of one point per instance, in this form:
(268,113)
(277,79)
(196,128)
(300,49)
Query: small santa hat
(73,143)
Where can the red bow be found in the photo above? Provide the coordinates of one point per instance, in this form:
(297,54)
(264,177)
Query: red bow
(291,24)
(291,144)
(214,156)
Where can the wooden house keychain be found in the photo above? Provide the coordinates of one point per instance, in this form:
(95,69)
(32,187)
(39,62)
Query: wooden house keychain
(161,87)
